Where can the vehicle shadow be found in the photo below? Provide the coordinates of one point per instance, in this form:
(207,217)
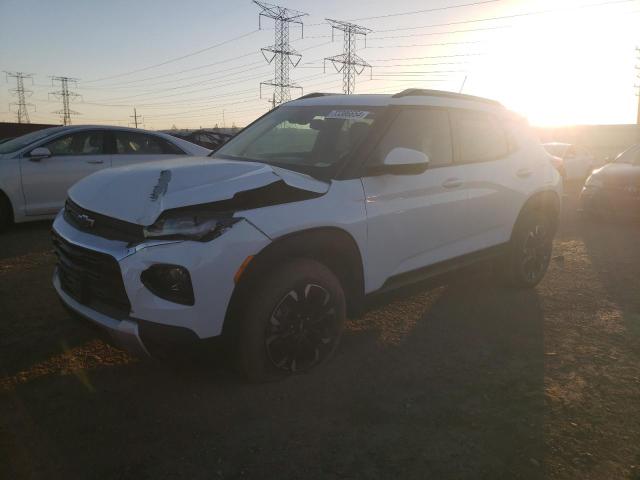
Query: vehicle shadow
(443,383)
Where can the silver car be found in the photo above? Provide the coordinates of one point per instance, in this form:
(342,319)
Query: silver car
(37,169)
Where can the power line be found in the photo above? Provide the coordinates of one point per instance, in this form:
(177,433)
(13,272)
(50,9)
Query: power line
(428,10)
(20,93)
(281,53)
(351,64)
(182,57)
(66,96)
(516,15)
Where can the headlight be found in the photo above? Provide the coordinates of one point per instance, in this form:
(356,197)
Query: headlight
(184,224)
(593,181)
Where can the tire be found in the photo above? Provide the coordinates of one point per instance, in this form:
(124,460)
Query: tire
(529,251)
(293,323)
(6,215)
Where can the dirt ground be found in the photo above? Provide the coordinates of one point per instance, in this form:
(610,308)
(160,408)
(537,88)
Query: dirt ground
(465,380)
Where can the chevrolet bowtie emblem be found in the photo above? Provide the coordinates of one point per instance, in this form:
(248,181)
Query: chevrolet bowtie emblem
(85,220)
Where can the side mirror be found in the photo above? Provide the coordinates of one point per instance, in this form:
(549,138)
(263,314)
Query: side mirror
(403,161)
(39,153)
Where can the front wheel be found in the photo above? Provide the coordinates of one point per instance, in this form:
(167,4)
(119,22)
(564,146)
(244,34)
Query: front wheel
(293,323)
(529,252)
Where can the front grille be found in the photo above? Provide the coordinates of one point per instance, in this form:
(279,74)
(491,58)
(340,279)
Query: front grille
(101,225)
(91,278)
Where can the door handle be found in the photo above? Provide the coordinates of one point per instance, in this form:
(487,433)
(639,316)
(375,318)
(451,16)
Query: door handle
(452,183)
(95,162)
(524,172)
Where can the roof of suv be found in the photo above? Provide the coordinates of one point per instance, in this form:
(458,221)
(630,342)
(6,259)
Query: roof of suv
(437,98)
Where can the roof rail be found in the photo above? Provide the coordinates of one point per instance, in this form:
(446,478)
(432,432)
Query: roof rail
(410,92)
(316,94)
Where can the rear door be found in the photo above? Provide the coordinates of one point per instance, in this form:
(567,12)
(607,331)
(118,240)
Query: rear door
(74,156)
(414,220)
(136,147)
(497,176)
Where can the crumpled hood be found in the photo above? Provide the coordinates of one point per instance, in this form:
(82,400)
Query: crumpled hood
(140,192)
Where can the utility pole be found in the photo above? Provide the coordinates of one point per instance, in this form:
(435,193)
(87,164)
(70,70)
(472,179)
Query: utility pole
(349,63)
(280,54)
(21,94)
(66,96)
(638,88)
(135,117)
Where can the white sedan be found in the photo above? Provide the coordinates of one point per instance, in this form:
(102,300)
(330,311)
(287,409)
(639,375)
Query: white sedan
(37,169)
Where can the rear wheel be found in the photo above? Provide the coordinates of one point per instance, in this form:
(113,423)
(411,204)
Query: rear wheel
(294,322)
(529,252)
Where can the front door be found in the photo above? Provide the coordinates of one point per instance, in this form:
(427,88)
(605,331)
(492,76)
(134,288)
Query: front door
(414,220)
(74,156)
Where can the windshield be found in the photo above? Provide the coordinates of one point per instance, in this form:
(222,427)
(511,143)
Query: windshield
(313,140)
(556,149)
(16,144)
(630,155)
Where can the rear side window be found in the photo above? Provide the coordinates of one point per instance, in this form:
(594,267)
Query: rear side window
(81,143)
(133,143)
(422,129)
(480,137)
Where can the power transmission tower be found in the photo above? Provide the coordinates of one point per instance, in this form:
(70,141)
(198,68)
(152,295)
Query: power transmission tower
(280,54)
(21,94)
(349,63)
(66,96)
(135,117)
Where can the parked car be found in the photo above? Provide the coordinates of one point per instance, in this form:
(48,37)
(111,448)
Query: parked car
(614,190)
(305,214)
(577,161)
(204,138)
(37,169)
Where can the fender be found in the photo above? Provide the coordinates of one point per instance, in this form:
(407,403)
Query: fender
(331,246)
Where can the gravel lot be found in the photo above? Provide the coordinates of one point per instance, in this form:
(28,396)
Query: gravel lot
(463,380)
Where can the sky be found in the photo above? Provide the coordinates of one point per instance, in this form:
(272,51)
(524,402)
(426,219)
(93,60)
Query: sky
(197,63)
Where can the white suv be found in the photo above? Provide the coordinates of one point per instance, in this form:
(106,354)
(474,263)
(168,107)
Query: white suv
(303,216)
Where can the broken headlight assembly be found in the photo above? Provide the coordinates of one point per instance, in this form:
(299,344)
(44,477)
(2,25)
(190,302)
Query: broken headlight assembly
(184,224)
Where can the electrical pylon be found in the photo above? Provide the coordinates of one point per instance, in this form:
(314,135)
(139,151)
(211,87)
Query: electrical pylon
(348,62)
(66,96)
(280,53)
(21,94)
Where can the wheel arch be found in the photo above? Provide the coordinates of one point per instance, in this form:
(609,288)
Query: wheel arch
(331,246)
(544,201)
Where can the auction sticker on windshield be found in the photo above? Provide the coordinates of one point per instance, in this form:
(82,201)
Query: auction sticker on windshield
(347,114)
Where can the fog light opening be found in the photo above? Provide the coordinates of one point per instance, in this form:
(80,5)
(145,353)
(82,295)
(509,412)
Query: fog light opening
(169,282)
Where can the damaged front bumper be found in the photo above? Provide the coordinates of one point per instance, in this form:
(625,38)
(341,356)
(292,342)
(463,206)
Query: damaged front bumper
(211,265)
(124,332)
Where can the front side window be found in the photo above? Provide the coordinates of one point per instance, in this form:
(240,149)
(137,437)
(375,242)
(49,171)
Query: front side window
(425,130)
(480,137)
(81,143)
(313,140)
(133,143)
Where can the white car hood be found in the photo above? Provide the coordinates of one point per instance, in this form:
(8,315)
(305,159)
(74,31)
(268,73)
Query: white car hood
(139,193)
